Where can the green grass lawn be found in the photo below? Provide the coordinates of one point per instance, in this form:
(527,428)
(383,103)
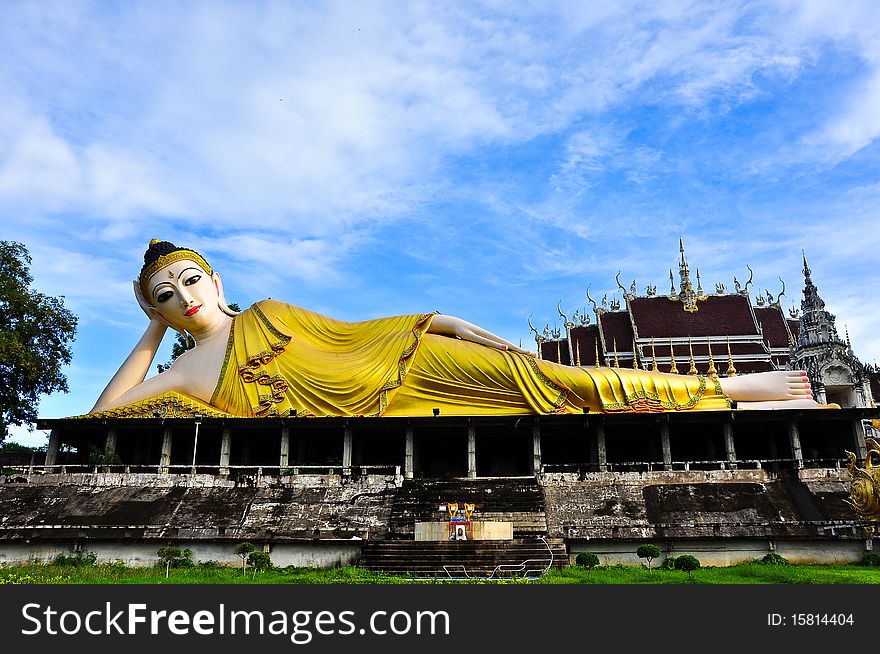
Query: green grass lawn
(752,573)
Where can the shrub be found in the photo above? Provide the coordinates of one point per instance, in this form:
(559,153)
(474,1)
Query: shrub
(772,558)
(668,563)
(687,563)
(259,561)
(586,560)
(648,551)
(870,559)
(173,556)
(76,560)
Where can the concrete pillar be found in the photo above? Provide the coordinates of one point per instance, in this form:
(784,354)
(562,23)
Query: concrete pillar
(536,447)
(859,441)
(729,447)
(347,439)
(55,445)
(110,446)
(165,456)
(225,450)
(601,451)
(284,459)
(794,438)
(665,444)
(408,454)
(472,451)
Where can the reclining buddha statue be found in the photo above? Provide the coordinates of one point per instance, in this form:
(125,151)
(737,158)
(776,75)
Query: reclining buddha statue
(277,359)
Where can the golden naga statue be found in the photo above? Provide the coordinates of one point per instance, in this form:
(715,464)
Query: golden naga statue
(864,493)
(276,359)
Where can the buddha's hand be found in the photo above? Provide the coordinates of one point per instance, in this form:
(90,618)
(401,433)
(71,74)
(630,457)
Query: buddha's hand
(147,308)
(466,331)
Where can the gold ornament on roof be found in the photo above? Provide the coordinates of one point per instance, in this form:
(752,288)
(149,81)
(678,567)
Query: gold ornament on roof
(712,372)
(693,370)
(653,356)
(672,368)
(616,362)
(731,371)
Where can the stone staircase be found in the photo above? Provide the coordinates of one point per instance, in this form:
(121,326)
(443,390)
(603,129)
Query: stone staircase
(516,500)
(480,559)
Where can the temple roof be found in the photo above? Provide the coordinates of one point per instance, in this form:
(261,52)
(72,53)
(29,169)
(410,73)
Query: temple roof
(616,328)
(716,315)
(773,326)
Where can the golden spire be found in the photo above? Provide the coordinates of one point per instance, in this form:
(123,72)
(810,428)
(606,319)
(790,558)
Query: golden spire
(597,351)
(577,354)
(653,356)
(616,362)
(731,371)
(559,352)
(635,356)
(672,368)
(693,370)
(712,372)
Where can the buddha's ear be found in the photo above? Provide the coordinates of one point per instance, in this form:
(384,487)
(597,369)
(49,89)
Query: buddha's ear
(221,298)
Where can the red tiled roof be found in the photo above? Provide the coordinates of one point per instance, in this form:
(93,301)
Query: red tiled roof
(616,327)
(773,325)
(556,351)
(584,340)
(794,326)
(717,315)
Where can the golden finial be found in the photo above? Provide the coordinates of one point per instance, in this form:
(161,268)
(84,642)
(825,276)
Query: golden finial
(712,372)
(577,354)
(731,371)
(635,356)
(597,351)
(559,352)
(616,362)
(693,370)
(673,368)
(653,356)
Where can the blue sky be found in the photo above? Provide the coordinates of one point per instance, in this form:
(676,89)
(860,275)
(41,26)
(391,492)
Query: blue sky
(481,159)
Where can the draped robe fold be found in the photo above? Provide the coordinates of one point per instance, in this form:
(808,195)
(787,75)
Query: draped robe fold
(286,360)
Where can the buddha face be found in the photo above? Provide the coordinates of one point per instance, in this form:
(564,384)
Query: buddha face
(186,296)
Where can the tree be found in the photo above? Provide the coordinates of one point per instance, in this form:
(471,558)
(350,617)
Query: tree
(182,343)
(259,561)
(169,554)
(243,550)
(587,560)
(35,330)
(687,563)
(648,551)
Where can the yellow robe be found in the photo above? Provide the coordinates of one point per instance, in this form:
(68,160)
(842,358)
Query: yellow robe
(285,360)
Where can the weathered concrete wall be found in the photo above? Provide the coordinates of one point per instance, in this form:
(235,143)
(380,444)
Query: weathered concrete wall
(722,516)
(721,552)
(318,554)
(163,508)
(712,504)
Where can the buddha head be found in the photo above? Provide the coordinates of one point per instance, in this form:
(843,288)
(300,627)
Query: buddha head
(181,288)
